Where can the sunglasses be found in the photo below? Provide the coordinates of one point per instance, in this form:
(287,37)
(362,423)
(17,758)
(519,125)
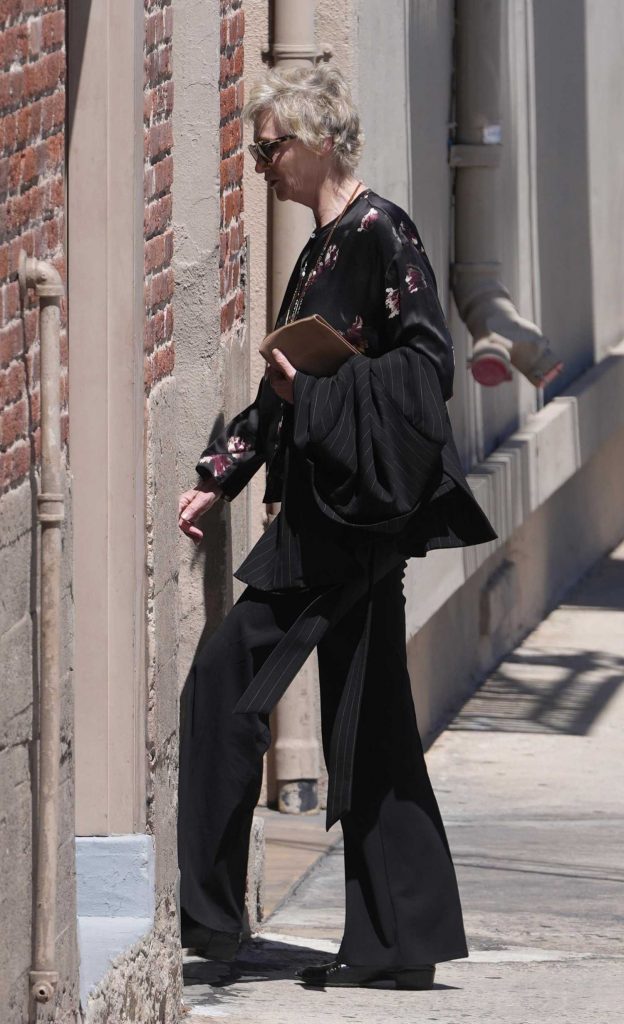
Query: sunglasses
(264,149)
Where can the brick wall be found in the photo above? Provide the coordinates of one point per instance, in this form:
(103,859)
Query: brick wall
(232,232)
(32,116)
(158,140)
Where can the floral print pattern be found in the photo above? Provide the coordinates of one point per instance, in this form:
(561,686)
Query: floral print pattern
(218,465)
(414,279)
(368,220)
(238,445)
(328,262)
(392,302)
(355,334)
(409,236)
(330,257)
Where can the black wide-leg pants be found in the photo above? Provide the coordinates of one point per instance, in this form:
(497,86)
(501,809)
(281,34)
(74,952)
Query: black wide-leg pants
(402,902)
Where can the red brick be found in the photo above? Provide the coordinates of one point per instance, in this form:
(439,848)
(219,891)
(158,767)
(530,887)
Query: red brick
(10,301)
(13,45)
(168,246)
(163,176)
(9,132)
(239,61)
(31,326)
(35,37)
(10,9)
(158,216)
(160,288)
(35,408)
(169,321)
(158,139)
(43,75)
(11,88)
(168,29)
(154,253)
(164,359)
(240,95)
(227,101)
(11,343)
(154,27)
(53,29)
(12,383)
(52,111)
(13,423)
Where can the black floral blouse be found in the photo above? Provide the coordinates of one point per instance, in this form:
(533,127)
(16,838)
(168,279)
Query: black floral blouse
(344,461)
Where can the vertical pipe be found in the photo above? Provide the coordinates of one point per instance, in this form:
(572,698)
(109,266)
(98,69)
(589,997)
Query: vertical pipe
(50,513)
(502,338)
(296,758)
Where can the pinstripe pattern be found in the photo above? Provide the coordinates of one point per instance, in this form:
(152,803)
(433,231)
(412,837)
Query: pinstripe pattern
(325,610)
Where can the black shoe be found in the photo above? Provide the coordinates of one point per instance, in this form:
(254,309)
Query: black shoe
(202,941)
(337,973)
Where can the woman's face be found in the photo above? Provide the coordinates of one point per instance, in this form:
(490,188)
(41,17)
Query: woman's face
(294,170)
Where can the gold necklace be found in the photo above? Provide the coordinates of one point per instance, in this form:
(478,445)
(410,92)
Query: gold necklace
(305,280)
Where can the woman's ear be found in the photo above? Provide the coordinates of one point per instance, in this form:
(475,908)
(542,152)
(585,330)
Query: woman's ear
(328,145)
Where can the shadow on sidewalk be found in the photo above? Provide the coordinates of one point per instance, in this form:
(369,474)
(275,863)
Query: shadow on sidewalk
(259,959)
(531,691)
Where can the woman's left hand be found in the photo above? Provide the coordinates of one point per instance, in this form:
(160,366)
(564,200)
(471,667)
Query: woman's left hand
(281,375)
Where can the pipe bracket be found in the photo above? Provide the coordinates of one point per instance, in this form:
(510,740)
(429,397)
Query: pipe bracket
(50,508)
(43,985)
(296,51)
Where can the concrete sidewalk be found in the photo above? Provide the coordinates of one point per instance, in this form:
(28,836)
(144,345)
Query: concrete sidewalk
(529,779)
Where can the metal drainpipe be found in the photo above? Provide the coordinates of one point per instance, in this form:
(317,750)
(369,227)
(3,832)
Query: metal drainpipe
(295,754)
(48,286)
(502,338)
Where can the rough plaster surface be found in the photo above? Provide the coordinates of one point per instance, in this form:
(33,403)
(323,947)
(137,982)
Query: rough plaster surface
(143,986)
(205,583)
(162,631)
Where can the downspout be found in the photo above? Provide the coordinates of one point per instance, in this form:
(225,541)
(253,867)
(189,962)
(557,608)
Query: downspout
(295,753)
(48,286)
(502,338)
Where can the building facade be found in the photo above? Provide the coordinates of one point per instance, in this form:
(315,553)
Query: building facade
(173,259)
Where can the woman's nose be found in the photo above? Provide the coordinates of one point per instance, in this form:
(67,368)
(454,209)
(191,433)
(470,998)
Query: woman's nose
(260,166)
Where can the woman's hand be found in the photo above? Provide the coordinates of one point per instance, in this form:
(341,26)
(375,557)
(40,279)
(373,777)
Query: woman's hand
(281,375)
(192,506)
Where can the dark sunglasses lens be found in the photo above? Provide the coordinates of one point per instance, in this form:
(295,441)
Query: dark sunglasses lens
(258,153)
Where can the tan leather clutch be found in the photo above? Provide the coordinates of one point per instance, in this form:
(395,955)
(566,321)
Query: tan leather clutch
(311,345)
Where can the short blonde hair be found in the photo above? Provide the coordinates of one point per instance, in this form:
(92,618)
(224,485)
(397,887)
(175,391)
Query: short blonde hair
(311,103)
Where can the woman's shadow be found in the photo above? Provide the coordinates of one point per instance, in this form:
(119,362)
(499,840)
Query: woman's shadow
(259,959)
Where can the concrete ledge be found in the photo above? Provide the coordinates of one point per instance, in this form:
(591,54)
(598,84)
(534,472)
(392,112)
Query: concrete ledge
(115,898)
(522,474)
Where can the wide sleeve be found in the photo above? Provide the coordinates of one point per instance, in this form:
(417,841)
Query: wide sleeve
(232,458)
(374,432)
(412,310)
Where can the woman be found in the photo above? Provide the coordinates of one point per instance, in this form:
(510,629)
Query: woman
(366,471)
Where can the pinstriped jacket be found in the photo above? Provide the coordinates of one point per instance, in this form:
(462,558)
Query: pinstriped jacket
(366,457)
